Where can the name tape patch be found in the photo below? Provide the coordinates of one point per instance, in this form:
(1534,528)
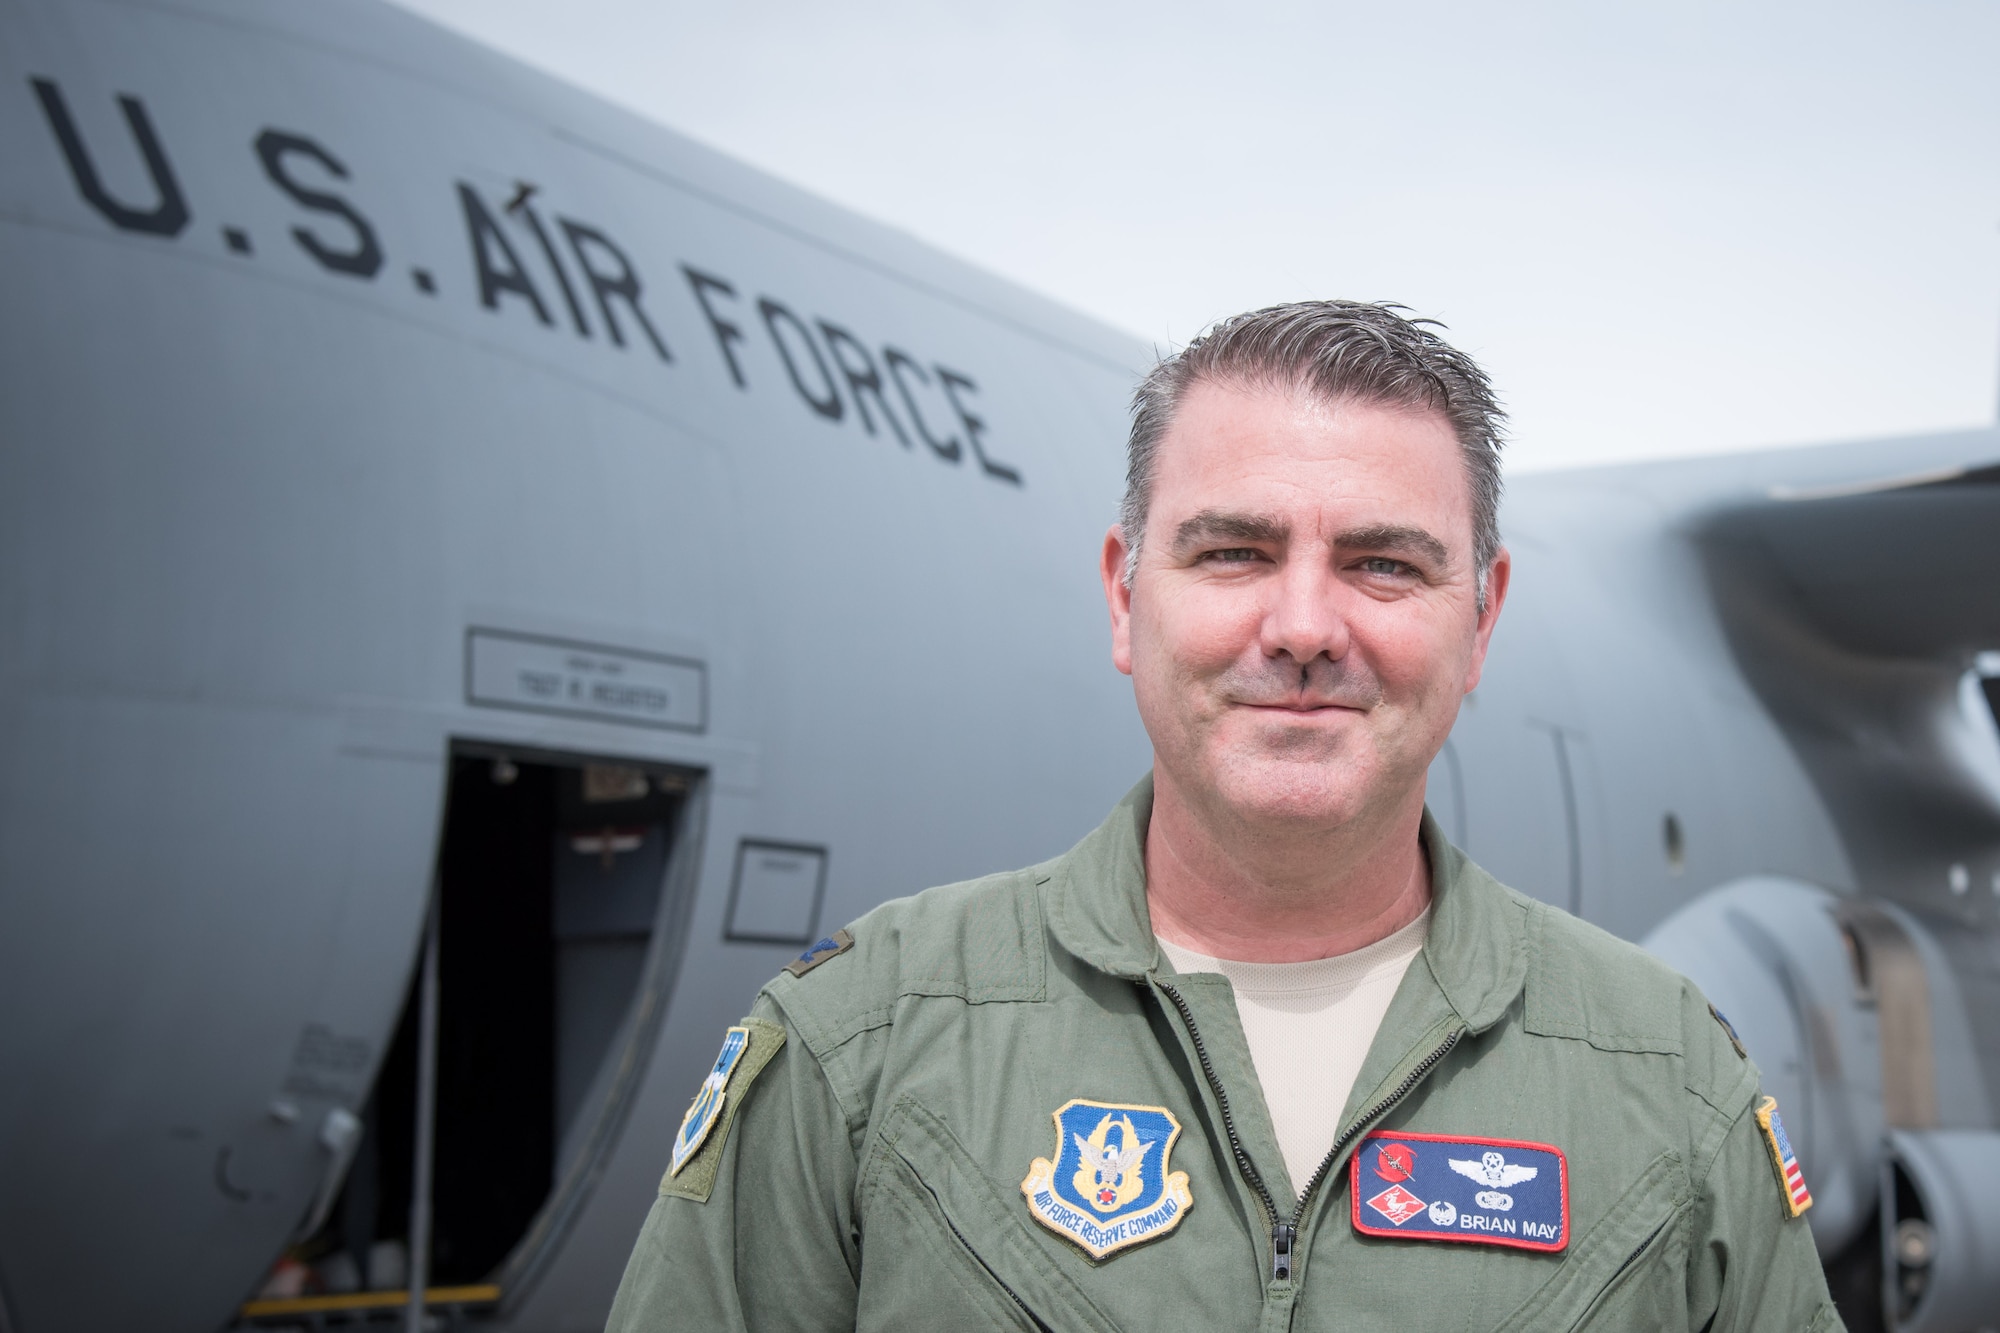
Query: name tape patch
(1109,1185)
(1439,1187)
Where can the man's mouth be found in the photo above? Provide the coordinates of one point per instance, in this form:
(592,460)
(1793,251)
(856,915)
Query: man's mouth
(1300,706)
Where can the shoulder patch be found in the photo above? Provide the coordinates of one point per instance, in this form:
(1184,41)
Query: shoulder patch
(1730,1028)
(698,1144)
(832,946)
(1791,1182)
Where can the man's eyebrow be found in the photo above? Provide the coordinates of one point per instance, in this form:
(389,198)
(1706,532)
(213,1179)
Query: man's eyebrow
(1395,538)
(1222,525)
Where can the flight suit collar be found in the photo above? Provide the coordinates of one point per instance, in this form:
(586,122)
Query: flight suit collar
(1098,908)
(1476,949)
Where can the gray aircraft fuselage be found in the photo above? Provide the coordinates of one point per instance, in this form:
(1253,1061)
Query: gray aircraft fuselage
(422,482)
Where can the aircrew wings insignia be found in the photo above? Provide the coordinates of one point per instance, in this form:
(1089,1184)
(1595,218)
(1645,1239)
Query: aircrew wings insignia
(1493,1170)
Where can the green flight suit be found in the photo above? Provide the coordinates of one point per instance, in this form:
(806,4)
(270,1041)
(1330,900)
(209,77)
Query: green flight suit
(866,1170)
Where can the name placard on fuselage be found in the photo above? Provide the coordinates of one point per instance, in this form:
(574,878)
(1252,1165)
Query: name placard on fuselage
(504,669)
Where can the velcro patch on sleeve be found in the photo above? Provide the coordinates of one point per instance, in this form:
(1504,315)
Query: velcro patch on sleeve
(1478,1191)
(704,1131)
(1791,1180)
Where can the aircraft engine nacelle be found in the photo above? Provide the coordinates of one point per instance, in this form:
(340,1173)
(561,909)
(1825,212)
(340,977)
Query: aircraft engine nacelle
(1853,1011)
(1773,957)
(1941,1230)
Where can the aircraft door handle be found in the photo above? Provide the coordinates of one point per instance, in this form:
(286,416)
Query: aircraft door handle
(340,1136)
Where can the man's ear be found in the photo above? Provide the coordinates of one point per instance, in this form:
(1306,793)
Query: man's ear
(1497,576)
(1117,597)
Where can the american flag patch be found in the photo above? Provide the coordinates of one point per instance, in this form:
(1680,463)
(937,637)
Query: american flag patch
(1790,1179)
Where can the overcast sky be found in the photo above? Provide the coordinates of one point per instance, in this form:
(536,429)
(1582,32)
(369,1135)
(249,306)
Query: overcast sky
(1666,229)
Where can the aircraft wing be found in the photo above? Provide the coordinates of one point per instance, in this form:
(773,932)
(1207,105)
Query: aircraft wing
(1866,617)
(1901,567)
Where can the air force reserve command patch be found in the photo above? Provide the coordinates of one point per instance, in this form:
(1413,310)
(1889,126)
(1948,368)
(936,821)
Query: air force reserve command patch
(1438,1187)
(1109,1186)
(1791,1181)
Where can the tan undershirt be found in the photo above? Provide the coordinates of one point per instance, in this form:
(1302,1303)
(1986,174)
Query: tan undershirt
(1309,1026)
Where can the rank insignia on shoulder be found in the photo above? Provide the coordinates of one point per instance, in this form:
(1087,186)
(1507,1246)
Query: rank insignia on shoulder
(1442,1187)
(1110,1185)
(1730,1028)
(707,1107)
(1791,1181)
(832,946)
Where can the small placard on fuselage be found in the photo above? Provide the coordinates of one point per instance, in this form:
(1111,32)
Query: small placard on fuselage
(544,675)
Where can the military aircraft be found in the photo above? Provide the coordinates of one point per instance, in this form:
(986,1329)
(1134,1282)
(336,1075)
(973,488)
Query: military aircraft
(484,581)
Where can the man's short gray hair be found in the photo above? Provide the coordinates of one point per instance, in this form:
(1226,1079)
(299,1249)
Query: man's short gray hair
(1334,350)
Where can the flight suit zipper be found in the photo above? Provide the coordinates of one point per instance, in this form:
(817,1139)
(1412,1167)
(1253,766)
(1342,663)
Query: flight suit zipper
(1285,1234)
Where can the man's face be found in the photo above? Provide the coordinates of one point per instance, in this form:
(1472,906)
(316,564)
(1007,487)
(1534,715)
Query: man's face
(1304,619)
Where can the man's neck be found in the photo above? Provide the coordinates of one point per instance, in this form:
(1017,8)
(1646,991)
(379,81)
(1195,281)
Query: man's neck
(1259,895)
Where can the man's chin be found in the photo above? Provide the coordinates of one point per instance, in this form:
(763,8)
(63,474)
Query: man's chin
(1279,794)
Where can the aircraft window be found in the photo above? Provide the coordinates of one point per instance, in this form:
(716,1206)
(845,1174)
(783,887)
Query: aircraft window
(554,876)
(775,896)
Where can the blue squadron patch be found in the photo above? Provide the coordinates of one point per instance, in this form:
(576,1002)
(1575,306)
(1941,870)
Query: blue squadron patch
(702,1115)
(1109,1185)
(1439,1187)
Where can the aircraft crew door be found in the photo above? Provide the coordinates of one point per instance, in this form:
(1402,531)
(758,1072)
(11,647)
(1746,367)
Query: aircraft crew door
(1518,793)
(562,888)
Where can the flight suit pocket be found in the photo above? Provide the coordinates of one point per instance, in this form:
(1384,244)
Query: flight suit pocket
(942,1282)
(1626,1272)
(928,1209)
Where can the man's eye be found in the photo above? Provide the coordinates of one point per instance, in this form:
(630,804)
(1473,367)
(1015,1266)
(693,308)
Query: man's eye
(1233,555)
(1382,564)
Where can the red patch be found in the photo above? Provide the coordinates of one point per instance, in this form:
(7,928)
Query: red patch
(1397,1204)
(1395,1161)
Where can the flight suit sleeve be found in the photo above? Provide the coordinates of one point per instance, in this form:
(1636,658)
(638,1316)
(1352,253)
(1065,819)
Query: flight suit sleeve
(1752,1267)
(772,1246)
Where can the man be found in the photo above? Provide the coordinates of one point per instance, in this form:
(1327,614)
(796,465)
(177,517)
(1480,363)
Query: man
(1264,1050)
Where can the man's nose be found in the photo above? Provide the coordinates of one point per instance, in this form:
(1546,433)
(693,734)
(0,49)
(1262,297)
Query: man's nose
(1304,619)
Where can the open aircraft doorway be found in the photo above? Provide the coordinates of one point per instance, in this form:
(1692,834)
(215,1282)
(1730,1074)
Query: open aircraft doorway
(563,888)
